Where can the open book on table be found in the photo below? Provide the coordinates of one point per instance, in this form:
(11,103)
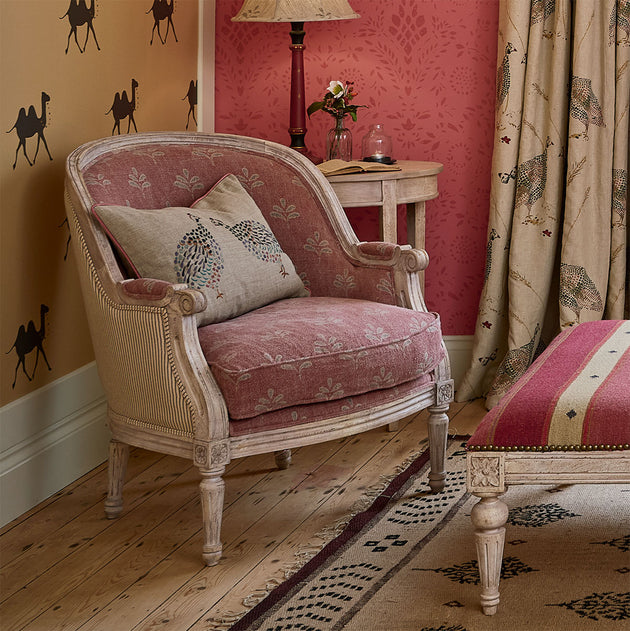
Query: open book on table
(342,167)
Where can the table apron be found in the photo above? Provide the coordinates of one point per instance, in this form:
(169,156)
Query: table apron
(352,194)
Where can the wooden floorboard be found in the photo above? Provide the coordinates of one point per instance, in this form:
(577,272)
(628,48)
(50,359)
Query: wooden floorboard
(65,566)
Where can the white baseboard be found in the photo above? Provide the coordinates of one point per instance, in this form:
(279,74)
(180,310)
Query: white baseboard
(50,438)
(459,349)
(57,434)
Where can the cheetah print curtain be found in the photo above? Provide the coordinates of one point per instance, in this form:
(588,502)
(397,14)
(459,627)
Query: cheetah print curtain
(557,249)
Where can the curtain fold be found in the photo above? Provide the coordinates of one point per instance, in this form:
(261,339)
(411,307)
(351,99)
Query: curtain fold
(557,249)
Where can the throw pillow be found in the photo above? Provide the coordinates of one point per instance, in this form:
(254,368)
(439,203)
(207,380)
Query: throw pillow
(222,245)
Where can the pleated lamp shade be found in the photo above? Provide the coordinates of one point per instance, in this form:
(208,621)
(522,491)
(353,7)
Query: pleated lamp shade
(294,11)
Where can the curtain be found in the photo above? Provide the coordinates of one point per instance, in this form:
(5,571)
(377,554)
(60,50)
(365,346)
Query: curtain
(557,248)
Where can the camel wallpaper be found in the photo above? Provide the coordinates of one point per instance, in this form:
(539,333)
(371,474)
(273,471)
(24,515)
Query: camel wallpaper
(86,69)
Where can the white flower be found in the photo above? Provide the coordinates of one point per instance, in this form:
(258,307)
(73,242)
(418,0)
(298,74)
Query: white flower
(336,88)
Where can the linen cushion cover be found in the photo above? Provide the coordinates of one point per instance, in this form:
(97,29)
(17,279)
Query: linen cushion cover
(221,245)
(297,352)
(576,395)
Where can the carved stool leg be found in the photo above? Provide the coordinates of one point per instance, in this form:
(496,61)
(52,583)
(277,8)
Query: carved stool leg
(283,458)
(438,436)
(211,488)
(488,517)
(117,467)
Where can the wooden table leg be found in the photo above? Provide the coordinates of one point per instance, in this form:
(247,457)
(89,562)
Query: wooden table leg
(415,224)
(415,229)
(389,232)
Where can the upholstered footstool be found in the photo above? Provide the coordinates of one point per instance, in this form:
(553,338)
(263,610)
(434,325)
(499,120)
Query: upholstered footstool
(566,421)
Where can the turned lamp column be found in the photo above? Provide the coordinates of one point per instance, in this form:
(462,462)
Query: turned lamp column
(297,114)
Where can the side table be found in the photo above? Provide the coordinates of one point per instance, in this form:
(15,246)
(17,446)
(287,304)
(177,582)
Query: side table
(413,185)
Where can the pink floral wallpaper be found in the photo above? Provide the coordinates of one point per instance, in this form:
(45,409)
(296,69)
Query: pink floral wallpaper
(426,69)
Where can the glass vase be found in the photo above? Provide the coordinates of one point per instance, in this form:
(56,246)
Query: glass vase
(339,142)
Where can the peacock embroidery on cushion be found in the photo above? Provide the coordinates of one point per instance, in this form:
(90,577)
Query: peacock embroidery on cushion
(257,239)
(198,258)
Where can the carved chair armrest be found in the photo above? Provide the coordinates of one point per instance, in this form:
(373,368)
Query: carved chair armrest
(153,292)
(404,263)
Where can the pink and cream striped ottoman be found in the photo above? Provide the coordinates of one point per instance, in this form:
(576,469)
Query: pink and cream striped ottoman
(566,421)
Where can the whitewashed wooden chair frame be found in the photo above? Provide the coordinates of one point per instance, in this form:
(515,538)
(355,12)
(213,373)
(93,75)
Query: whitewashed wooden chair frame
(166,331)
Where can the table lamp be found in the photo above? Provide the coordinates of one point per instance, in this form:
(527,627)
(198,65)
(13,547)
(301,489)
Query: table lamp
(296,12)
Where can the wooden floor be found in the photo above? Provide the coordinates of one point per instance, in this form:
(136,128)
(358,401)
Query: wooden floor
(64,566)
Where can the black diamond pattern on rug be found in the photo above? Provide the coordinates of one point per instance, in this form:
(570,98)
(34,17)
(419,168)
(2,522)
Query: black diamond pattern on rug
(468,573)
(608,605)
(424,507)
(312,611)
(537,515)
(623,543)
(384,544)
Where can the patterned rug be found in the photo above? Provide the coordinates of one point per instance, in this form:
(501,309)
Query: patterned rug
(408,563)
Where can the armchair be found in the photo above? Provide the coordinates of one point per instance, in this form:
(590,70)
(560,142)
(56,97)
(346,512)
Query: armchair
(358,352)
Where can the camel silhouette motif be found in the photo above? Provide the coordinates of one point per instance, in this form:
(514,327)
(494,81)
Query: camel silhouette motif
(191,95)
(28,125)
(162,10)
(78,14)
(29,338)
(123,108)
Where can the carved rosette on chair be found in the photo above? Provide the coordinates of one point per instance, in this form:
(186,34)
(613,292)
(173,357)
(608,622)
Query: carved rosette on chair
(207,342)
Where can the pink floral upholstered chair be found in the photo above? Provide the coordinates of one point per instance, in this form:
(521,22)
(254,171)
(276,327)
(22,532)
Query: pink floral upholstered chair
(233,311)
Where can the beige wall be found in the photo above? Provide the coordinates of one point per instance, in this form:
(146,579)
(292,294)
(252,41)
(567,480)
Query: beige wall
(81,87)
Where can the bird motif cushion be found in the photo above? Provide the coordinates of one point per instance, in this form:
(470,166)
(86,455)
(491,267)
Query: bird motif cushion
(221,245)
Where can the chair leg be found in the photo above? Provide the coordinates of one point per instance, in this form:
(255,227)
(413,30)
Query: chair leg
(283,458)
(488,517)
(117,467)
(438,435)
(212,488)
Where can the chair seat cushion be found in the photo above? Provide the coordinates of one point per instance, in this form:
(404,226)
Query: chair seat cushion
(308,350)
(575,396)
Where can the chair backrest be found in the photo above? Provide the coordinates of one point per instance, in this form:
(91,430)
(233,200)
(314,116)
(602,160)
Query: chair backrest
(158,170)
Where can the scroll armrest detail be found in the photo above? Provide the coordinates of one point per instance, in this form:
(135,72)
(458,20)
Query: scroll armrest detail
(157,293)
(382,253)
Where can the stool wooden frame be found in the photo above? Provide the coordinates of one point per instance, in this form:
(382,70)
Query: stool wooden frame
(489,473)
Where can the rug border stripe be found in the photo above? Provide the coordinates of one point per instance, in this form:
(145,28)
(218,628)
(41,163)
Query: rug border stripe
(353,529)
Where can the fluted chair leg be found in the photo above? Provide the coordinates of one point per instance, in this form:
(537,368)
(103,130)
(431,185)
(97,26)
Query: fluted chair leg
(212,489)
(438,436)
(117,468)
